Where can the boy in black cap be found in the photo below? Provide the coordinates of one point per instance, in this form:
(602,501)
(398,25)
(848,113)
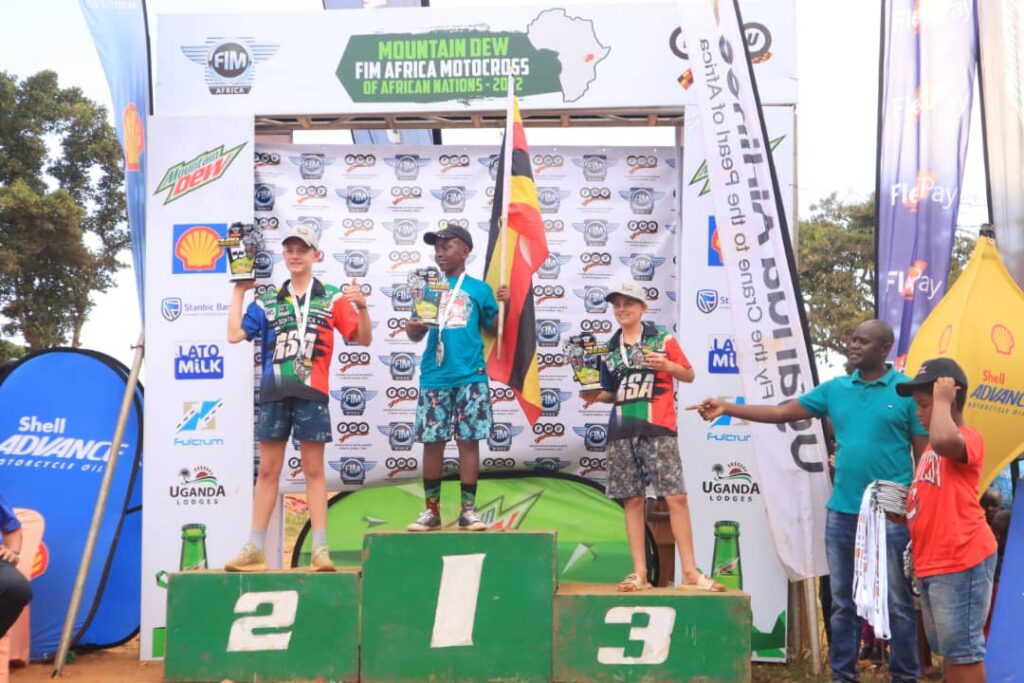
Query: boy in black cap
(454,397)
(954,548)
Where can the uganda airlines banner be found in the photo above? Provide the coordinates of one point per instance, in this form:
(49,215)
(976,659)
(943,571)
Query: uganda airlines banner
(767,345)
(1001,22)
(198,436)
(722,474)
(602,56)
(610,215)
(928,61)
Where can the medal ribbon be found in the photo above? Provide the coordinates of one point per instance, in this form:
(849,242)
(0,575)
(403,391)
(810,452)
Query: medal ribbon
(301,318)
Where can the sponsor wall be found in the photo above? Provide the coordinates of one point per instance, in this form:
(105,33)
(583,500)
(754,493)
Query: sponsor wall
(450,59)
(718,458)
(198,436)
(610,215)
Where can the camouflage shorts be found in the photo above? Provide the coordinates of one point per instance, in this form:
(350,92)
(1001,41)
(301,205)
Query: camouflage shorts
(637,463)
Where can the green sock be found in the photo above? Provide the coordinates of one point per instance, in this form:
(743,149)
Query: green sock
(468,496)
(432,493)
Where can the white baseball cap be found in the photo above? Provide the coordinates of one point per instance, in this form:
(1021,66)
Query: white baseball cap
(628,289)
(303,232)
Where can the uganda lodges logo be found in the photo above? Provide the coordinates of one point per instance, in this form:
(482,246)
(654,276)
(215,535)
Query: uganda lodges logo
(205,168)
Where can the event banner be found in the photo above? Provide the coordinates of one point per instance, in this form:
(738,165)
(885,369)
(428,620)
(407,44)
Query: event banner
(927,82)
(198,439)
(610,215)
(768,346)
(119,31)
(601,56)
(1002,87)
(722,474)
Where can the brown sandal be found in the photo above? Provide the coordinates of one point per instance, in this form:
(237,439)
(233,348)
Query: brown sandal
(633,583)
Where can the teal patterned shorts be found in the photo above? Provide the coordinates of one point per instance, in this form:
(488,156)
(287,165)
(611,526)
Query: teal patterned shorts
(463,412)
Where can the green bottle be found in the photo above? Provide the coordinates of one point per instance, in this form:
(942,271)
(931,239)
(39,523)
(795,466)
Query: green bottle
(193,547)
(725,560)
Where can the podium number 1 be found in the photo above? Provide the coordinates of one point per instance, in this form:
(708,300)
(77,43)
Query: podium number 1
(456,600)
(656,635)
(283,605)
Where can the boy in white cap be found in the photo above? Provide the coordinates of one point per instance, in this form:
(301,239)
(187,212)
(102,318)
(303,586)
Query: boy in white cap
(296,324)
(637,376)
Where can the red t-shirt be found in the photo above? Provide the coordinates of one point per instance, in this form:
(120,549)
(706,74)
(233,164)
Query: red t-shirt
(947,523)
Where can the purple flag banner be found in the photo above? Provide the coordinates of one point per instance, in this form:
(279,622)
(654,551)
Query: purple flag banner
(927,79)
(122,41)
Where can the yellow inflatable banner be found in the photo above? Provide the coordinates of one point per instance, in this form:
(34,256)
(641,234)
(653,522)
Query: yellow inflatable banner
(980,324)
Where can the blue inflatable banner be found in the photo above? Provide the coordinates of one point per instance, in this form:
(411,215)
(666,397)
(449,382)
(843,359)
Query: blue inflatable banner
(58,412)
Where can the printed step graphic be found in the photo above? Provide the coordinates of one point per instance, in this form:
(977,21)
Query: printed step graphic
(664,634)
(457,606)
(268,626)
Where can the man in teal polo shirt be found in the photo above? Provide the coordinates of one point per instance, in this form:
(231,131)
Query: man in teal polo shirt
(875,431)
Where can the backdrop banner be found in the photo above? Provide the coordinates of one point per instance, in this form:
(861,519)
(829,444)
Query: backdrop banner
(767,347)
(928,63)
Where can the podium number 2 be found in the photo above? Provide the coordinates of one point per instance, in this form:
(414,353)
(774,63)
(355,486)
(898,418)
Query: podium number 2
(656,635)
(283,605)
(456,600)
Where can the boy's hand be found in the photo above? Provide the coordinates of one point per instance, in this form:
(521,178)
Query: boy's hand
(415,326)
(244,285)
(354,295)
(504,294)
(658,362)
(944,390)
(709,409)
(8,555)
(590,397)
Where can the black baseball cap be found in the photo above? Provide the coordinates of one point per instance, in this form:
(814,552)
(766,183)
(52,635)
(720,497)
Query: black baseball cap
(930,371)
(448,232)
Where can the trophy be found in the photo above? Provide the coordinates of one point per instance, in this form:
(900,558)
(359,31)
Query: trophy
(428,286)
(584,354)
(247,258)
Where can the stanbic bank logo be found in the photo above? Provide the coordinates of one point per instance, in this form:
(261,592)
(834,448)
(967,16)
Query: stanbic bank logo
(46,439)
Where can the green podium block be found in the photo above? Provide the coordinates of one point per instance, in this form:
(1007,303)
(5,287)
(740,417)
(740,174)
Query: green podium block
(664,634)
(273,626)
(457,606)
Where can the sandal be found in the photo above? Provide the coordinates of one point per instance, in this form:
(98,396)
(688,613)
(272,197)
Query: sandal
(708,585)
(633,583)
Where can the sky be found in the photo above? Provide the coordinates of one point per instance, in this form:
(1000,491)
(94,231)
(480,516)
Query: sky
(837,70)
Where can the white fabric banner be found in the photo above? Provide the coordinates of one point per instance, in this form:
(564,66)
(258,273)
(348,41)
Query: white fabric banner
(450,59)
(768,346)
(721,471)
(198,462)
(1001,27)
(610,216)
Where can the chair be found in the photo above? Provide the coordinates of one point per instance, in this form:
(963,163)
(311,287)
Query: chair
(15,645)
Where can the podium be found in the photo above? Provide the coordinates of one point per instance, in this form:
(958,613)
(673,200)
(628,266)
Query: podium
(449,606)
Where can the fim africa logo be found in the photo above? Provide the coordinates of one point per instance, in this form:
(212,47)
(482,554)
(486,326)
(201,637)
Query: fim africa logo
(730,483)
(198,486)
(188,176)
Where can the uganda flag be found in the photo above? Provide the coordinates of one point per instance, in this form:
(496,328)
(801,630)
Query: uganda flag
(525,250)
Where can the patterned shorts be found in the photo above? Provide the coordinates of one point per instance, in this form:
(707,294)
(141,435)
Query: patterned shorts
(638,462)
(463,412)
(305,420)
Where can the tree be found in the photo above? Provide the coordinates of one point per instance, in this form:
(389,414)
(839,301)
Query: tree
(62,208)
(836,266)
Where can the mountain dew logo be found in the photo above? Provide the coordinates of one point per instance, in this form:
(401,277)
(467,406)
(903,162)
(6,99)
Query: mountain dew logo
(701,174)
(730,566)
(205,168)
(497,515)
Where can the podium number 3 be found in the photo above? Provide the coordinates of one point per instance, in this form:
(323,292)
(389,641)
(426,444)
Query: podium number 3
(656,635)
(283,605)
(456,600)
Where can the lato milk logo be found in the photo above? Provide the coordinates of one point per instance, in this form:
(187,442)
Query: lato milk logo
(191,175)
(198,360)
(1002,339)
(197,248)
(49,439)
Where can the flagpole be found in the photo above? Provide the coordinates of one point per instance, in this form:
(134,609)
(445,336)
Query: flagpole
(506,191)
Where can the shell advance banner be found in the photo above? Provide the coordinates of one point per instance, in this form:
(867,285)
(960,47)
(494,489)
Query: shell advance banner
(1001,23)
(119,31)
(928,63)
(770,347)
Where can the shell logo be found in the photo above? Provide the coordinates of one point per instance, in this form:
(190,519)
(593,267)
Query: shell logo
(41,562)
(944,339)
(1002,339)
(134,137)
(198,248)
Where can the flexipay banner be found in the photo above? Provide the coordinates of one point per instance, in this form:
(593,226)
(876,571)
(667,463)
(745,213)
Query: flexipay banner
(119,31)
(929,52)
(1002,82)
(980,324)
